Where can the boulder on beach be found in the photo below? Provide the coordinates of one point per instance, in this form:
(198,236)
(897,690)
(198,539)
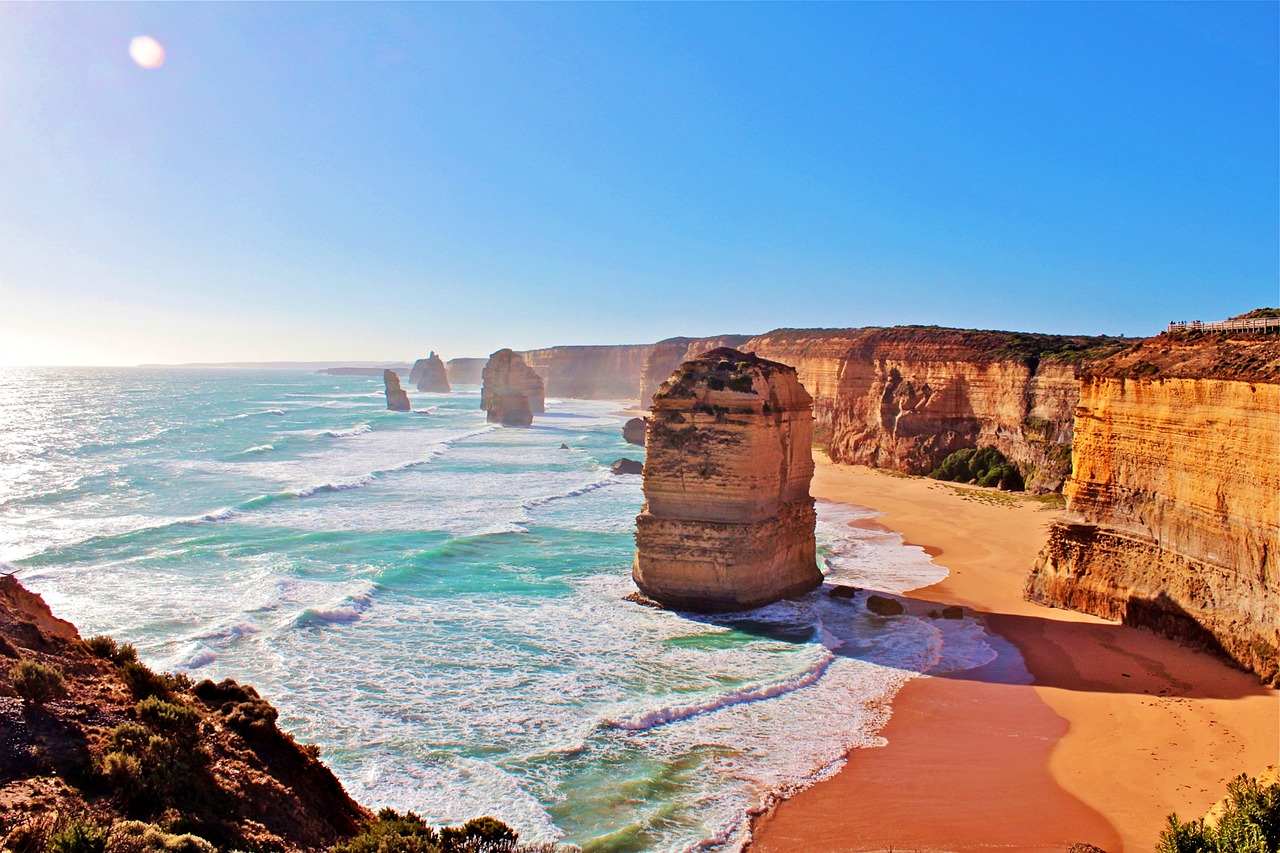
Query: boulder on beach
(882,606)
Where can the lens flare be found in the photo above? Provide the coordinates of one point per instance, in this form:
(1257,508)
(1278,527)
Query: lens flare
(146,51)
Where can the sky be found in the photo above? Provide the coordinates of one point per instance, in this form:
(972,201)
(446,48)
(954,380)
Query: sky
(373,181)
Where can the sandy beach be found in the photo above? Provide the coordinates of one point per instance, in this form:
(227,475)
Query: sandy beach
(1082,730)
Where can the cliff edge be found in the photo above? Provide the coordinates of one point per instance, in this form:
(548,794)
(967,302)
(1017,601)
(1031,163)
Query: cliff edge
(106,738)
(906,397)
(1174,501)
(728,522)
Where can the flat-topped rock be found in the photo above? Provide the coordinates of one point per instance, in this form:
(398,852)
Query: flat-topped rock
(728,522)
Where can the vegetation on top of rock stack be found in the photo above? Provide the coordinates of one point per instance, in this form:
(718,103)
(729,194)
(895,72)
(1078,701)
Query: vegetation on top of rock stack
(982,467)
(1248,821)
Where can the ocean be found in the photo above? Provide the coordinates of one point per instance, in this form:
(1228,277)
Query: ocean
(437,602)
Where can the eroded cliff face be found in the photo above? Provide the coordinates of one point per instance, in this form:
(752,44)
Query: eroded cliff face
(728,522)
(1174,503)
(512,392)
(590,373)
(429,374)
(906,397)
(397,399)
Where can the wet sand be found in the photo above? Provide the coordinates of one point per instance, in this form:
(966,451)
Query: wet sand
(1082,731)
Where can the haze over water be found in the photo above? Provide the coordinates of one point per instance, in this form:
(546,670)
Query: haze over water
(437,601)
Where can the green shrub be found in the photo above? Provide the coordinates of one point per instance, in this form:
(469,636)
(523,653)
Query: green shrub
(141,680)
(393,832)
(984,467)
(479,833)
(37,683)
(134,836)
(171,719)
(77,836)
(1250,823)
(103,646)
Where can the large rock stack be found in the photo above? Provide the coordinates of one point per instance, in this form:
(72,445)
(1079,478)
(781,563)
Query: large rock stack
(397,399)
(429,375)
(728,521)
(511,393)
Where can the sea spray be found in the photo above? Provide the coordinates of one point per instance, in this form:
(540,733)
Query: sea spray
(439,602)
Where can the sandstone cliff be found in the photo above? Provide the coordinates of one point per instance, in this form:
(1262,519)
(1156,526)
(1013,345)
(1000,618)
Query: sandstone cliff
(906,397)
(512,392)
(429,375)
(1174,502)
(666,355)
(728,522)
(397,399)
(465,371)
(590,372)
(118,741)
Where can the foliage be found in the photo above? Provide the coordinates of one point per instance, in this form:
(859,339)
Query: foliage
(1249,823)
(106,648)
(77,836)
(132,836)
(156,763)
(393,832)
(984,467)
(37,683)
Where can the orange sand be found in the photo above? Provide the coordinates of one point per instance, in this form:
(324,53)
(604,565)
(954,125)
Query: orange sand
(1119,728)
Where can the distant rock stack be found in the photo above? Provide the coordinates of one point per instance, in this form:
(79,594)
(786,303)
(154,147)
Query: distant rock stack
(397,399)
(511,392)
(728,522)
(429,375)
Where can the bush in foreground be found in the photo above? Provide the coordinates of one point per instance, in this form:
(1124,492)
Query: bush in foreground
(1250,823)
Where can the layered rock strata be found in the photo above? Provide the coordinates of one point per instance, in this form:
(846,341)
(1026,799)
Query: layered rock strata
(728,522)
(429,375)
(905,398)
(397,399)
(511,393)
(1174,502)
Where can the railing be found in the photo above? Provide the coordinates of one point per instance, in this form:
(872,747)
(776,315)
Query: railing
(1248,324)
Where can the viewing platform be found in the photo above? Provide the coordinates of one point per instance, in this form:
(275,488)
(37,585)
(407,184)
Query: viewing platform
(1249,324)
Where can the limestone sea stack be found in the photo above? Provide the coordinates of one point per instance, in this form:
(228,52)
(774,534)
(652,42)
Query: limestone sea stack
(429,375)
(511,392)
(728,522)
(397,399)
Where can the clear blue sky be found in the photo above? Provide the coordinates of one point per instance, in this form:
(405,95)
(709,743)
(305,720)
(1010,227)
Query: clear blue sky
(346,181)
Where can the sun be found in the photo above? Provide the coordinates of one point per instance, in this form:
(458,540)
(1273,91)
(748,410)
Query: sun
(146,51)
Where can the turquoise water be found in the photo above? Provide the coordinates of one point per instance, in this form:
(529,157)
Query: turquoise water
(437,602)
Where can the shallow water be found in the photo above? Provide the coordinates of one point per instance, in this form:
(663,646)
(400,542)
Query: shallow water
(437,602)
